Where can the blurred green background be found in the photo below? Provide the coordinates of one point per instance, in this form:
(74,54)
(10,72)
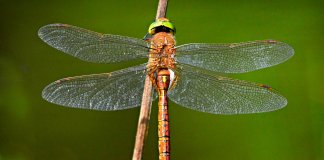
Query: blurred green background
(31,128)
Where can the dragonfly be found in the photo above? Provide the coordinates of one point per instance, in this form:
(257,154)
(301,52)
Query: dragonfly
(187,74)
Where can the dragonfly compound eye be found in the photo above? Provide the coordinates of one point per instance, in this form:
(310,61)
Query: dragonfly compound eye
(161,25)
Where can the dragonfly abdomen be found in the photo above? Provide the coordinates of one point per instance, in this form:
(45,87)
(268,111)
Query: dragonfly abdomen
(163,81)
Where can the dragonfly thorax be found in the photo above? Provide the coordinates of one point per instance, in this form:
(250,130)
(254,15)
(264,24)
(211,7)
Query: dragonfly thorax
(162,50)
(161,55)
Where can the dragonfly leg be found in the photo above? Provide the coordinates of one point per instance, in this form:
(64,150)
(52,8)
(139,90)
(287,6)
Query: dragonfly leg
(174,82)
(151,72)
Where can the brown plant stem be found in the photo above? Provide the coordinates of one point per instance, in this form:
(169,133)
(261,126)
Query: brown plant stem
(144,117)
(162,8)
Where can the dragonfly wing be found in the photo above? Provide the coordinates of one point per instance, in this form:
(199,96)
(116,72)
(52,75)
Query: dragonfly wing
(92,46)
(204,91)
(234,57)
(108,91)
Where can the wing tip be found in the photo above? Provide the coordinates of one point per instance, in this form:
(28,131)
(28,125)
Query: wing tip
(42,31)
(287,51)
(291,51)
(45,92)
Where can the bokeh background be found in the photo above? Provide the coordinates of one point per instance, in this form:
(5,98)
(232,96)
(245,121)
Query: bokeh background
(31,128)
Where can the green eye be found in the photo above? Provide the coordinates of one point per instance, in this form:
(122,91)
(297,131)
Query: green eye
(161,22)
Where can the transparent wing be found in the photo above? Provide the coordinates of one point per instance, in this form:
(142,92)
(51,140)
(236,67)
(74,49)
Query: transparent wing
(204,91)
(92,46)
(108,91)
(234,57)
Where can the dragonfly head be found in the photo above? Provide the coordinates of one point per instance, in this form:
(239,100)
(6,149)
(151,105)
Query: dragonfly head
(161,25)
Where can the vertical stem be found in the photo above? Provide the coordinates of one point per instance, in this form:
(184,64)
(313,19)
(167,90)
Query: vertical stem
(144,117)
(162,8)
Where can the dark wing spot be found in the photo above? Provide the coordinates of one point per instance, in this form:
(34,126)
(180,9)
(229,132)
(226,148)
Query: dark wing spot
(265,86)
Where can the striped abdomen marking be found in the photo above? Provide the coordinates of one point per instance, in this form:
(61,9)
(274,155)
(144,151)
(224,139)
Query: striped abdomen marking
(163,81)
